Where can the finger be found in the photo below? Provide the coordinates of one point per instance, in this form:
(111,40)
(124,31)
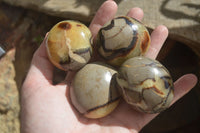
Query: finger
(183,85)
(105,13)
(41,70)
(136,13)
(158,37)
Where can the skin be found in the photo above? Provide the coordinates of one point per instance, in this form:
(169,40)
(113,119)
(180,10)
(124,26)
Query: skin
(46,108)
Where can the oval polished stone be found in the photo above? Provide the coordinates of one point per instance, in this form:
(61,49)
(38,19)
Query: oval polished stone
(122,38)
(68,45)
(145,84)
(93,91)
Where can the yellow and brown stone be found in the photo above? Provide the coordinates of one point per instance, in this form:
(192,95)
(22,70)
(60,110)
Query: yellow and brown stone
(69,45)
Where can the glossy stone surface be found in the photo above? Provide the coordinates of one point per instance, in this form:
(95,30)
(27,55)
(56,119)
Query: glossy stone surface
(69,45)
(145,84)
(122,38)
(93,91)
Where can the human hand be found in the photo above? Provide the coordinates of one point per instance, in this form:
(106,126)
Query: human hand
(46,108)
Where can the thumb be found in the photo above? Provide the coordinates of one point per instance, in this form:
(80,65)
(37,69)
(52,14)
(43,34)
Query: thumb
(41,69)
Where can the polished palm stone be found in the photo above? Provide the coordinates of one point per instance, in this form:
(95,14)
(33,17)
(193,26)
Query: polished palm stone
(145,84)
(94,93)
(122,38)
(68,45)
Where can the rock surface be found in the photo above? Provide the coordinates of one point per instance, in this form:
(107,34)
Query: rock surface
(181,17)
(9,97)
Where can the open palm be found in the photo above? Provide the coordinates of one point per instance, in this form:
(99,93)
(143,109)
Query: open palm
(46,108)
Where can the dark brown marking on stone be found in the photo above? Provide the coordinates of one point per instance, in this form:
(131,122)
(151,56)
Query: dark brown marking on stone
(145,43)
(166,81)
(103,105)
(82,51)
(101,36)
(65,25)
(112,83)
(153,79)
(122,52)
(155,89)
(167,96)
(108,27)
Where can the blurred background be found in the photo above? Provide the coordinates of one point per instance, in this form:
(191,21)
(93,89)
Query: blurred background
(24,23)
